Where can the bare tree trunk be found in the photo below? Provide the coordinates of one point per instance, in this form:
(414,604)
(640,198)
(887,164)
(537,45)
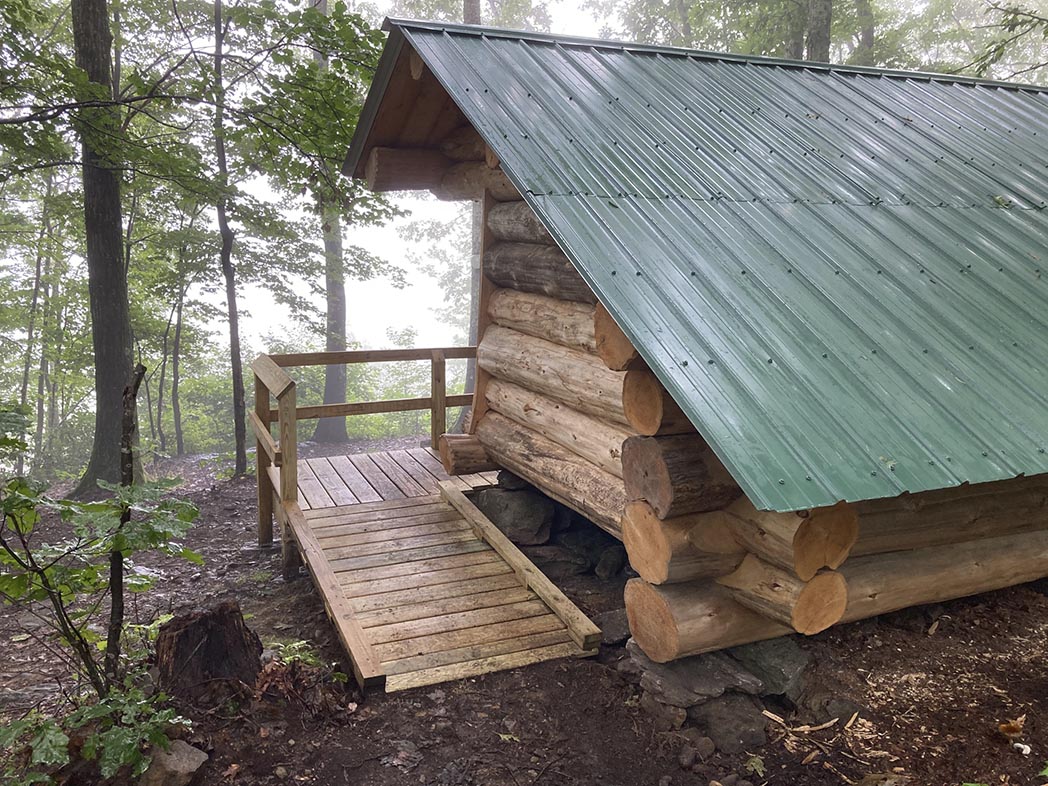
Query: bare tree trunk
(129,424)
(687,35)
(226,255)
(107,284)
(42,253)
(334,429)
(161,437)
(820,18)
(471,12)
(176,360)
(797,24)
(863,54)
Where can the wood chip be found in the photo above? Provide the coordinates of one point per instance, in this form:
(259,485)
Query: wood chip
(851,721)
(809,729)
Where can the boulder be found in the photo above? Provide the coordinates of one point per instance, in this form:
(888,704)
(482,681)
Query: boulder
(733,721)
(614,627)
(690,681)
(611,562)
(779,663)
(507,480)
(177,766)
(556,562)
(666,717)
(524,516)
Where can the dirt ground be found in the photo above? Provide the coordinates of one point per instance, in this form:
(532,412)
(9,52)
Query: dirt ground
(931,686)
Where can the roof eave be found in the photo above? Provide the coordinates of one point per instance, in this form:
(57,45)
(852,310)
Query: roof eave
(353,166)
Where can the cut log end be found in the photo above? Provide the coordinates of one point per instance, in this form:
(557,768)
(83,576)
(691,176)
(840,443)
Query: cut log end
(463,454)
(678,620)
(665,552)
(821,603)
(677,475)
(614,348)
(649,407)
(825,539)
(652,623)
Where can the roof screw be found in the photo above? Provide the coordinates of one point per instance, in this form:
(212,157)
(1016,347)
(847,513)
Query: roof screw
(782,481)
(684,363)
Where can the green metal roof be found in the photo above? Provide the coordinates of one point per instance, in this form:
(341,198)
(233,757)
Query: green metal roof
(838,273)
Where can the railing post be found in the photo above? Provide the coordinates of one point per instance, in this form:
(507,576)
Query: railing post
(438,393)
(287,418)
(265,486)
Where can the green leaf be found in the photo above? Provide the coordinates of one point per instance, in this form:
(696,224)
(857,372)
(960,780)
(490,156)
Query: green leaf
(1044,771)
(755,764)
(50,746)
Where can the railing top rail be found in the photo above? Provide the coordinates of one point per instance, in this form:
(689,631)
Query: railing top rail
(276,380)
(368,356)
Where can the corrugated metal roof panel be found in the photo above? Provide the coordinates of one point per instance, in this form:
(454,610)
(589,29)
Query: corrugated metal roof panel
(837,274)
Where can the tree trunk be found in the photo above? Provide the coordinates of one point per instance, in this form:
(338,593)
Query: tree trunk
(226,255)
(161,435)
(797,23)
(129,424)
(334,429)
(863,54)
(42,253)
(176,361)
(471,12)
(820,18)
(107,284)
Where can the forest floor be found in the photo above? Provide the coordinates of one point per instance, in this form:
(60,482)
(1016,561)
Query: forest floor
(931,685)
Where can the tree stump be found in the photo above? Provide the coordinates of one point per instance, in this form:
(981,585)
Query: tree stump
(200,652)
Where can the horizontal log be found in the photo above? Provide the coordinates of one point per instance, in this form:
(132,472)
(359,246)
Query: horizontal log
(470,179)
(677,475)
(404,169)
(649,407)
(664,552)
(937,519)
(375,407)
(462,454)
(463,144)
(881,583)
(676,620)
(597,441)
(560,321)
(617,351)
(570,376)
(516,222)
(555,470)
(535,268)
(802,543)
(369,356)
(809,607)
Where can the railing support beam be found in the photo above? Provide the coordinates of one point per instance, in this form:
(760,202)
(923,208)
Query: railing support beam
(438,420)
(262,462)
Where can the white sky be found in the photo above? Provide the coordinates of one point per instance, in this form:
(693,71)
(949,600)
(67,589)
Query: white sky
(373,307)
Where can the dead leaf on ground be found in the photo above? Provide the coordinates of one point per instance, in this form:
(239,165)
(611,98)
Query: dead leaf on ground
(1013,729)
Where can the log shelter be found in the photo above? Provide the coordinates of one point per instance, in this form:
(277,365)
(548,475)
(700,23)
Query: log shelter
(779,326)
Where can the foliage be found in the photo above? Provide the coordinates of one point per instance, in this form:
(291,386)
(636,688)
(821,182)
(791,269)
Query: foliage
(116,732)
(70,574)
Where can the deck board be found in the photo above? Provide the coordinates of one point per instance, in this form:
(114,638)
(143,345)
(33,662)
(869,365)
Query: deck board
(412,584)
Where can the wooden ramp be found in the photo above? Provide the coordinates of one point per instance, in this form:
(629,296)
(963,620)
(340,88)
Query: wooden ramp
(421,587)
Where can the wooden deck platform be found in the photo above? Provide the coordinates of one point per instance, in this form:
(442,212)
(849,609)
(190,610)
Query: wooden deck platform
(421,587)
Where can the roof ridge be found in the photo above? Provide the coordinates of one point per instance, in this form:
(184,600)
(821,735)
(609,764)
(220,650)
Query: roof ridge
(703,54)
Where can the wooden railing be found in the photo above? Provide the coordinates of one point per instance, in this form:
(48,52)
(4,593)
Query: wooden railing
(276,460)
